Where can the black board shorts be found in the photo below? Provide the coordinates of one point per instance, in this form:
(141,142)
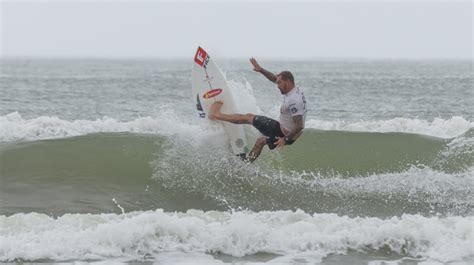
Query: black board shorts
(269,128)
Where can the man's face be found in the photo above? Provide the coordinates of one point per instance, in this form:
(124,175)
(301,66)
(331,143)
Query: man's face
(282,85)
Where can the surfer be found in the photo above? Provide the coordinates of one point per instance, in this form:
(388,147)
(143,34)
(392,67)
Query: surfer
(276,134)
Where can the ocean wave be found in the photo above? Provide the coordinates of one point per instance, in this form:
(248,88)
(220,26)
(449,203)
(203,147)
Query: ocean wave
(427,177)
(146,234)
(443,128)
(13,127)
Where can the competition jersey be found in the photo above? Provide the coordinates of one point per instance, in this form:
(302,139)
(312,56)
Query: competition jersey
(294,103)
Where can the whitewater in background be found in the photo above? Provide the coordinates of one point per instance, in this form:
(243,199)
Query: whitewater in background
(108,161)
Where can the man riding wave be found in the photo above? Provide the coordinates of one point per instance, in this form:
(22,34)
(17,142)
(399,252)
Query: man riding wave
(276,134)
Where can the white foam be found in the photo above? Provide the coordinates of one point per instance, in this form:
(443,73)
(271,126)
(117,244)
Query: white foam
(246,98)
(444,128)
(297,234)
(13,127)
(416,183)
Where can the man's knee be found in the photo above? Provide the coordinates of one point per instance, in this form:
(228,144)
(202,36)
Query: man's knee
(261,141)
(249,117)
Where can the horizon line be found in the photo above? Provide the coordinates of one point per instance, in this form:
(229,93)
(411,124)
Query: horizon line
(275,58)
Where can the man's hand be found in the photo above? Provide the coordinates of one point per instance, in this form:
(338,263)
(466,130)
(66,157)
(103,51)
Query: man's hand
(280,143)
(256,66)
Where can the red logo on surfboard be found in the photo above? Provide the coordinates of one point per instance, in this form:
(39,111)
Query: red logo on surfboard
(212,93)
(201,56)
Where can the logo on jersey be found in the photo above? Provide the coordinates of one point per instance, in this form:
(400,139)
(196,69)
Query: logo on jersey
(294,110)
(201,57)
(212,93)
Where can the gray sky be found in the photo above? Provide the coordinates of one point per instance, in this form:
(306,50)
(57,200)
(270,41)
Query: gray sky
(238,29)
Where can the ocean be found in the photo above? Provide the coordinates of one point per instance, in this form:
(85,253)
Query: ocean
(106,161)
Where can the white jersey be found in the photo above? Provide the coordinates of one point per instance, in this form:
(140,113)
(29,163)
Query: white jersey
(294,103)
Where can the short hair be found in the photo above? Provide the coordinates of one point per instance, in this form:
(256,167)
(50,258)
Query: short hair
(287,75)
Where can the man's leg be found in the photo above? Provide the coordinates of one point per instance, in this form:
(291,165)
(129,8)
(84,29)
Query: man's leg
(215,114)
(257,148)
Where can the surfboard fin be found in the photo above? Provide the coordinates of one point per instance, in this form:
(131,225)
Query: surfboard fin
(198,104)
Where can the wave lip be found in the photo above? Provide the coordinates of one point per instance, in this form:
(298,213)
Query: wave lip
(138,234)
(443,128)
(13,127)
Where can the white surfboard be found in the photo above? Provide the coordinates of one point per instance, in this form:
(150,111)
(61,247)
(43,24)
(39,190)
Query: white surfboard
(209,85)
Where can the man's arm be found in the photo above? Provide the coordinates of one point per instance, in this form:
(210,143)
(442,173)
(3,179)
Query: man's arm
(258,68)
(293,134)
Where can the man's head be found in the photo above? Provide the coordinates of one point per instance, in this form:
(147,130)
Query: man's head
(285,81)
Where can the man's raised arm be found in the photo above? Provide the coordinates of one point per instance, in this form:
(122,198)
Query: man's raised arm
(258,68)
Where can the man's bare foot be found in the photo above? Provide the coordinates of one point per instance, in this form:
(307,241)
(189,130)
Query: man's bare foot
(215,110)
